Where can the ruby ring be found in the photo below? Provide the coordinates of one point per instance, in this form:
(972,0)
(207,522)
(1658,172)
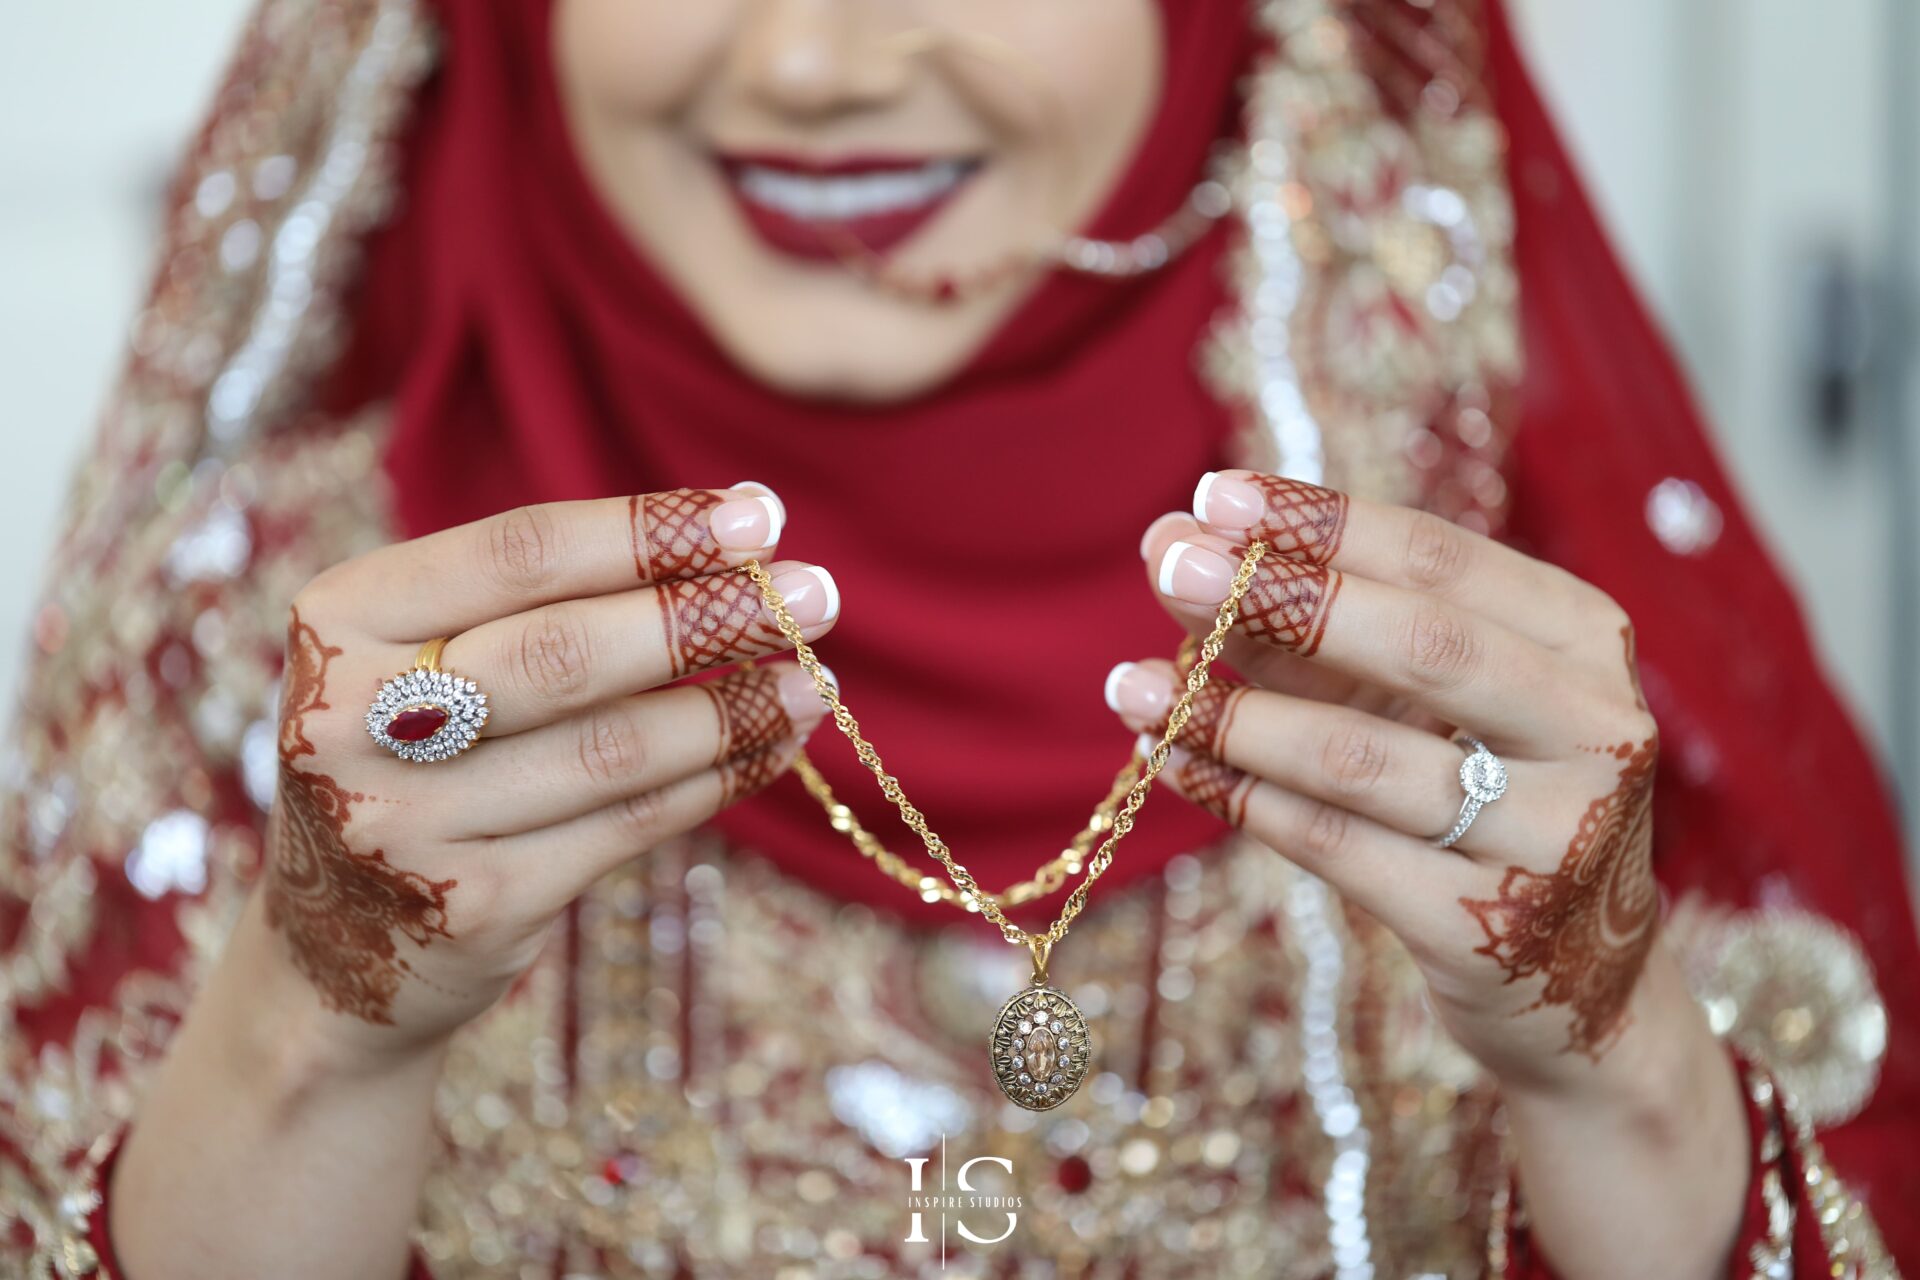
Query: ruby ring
(427,714)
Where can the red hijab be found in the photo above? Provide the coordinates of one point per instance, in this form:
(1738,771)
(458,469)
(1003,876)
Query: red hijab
(537,356)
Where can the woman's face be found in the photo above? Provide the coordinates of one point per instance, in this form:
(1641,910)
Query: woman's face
(753,148)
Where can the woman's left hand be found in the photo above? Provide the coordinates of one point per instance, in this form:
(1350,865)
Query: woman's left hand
(1367,634)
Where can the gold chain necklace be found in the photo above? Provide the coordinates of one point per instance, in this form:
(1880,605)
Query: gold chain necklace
(1040,1047)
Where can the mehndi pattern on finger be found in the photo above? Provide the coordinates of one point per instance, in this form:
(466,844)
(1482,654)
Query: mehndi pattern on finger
(710,621)
(1586,927)
(742,775)
(1288,604)
(1303,521)
(1199,774)
(750,712)
(1214,708)
(672,536)
(337,909)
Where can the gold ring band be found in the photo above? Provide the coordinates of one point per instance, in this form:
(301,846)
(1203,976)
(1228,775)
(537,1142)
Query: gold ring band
(429,657)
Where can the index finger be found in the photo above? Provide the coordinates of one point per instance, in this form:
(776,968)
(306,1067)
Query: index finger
(456,579)
(1398,546)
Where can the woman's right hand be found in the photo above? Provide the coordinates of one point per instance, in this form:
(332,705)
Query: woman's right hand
(408,896)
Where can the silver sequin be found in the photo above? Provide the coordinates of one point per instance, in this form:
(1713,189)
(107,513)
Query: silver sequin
(1683,517)
(897,1114)
(171,856)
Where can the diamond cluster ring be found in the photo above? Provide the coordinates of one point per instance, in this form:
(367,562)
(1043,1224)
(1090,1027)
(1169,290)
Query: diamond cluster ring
(1483,776)
(427,714)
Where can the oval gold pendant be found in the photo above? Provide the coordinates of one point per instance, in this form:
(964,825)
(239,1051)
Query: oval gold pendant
(1040,1047)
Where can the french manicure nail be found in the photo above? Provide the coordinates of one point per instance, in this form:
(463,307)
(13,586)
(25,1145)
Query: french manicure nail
(812,596)
(1226,502)
(1153,531)
(1145,743)
(765,489)
(800,698)
(1195,574)
(1141,694)
(746,524)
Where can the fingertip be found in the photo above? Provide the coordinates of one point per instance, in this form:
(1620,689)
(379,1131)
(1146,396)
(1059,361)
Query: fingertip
(746,525)
(776,517)
(1169,562)
(801,699)
(1111,689)
(764,490)
(1157,530)
(1200,492)
(811,596)
(1227,500)
(831,588)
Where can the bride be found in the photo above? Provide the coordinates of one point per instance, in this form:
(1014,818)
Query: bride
(406,869)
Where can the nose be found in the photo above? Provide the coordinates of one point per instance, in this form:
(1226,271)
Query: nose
(819,57)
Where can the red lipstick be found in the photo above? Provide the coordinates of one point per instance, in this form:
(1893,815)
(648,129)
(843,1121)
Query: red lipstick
(818,208)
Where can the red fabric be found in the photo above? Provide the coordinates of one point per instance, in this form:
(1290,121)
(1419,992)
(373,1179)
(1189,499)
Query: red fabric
(539,358)
(1766,796)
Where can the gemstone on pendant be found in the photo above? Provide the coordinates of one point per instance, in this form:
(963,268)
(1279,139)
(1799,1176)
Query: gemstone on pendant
(1040,1051)
(417,724)
(1039,1048)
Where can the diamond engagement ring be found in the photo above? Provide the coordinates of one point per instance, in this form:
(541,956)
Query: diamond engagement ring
(427,714)
(1483,776)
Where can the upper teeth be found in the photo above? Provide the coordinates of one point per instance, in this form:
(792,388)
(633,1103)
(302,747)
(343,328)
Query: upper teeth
(844,196)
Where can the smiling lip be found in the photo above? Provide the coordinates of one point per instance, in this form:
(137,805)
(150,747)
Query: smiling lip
(816,208)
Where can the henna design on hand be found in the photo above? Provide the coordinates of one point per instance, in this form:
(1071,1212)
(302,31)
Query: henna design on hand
(1220,789)
(750,712)
(742,775)
(1214,708)
(337,909)
(1200,775)
(1588,926)
(1302,521)
(1288,603)
(715,620)
(672,537)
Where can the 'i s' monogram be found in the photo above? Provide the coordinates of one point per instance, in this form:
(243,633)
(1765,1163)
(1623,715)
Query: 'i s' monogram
(919,1202)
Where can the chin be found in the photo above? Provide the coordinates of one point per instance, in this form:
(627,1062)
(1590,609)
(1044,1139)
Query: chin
(878,352)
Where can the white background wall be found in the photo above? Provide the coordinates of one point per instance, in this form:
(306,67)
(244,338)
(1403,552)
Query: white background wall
(1723,137)
(95,101)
